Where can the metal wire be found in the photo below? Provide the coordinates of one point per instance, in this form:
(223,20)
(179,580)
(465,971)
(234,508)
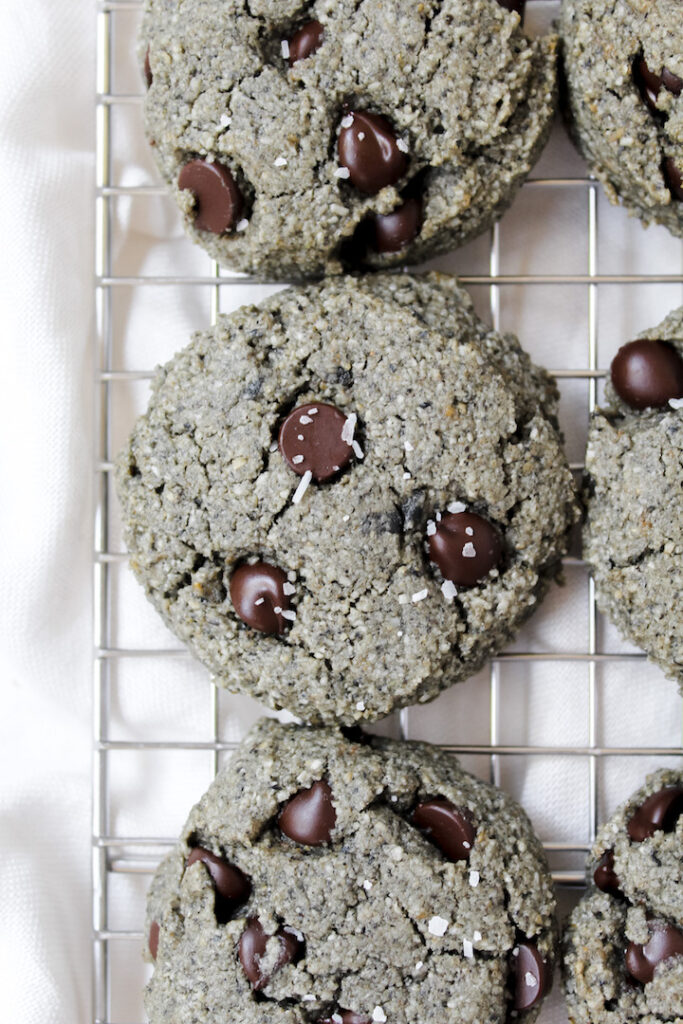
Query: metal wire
(114,855)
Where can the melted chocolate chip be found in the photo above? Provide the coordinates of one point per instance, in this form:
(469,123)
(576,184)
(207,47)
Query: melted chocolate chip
(258,596)
(218,200)
(311,439)
(659,813)
(447,826)
(153,939)
(604,875)
(368,149)
(309,816)
(252,946)
(391,232)
(665,941)
(465,547)
(650,84)
(531,976)
(347,1017)
(673,177)
(513,5)
(233,888)
(306,41)
(149,78)
(646,374)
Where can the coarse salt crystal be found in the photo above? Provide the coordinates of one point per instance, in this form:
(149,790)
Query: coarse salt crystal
(408,446)
(288,588)
(367,885)
(224,121)
(313,411)
(477,936)
(360,706)
(676,403)
(337,1018)
(277,609)
(437,925)
(456,506)
(467,949)
(301,489)
(346,518)
(466,845)
(515,951)
(431,527)
(403,599)
(400,633)
(305,419)
(378,1015)
(418,965)
(260,600)
(300,437)
(297,459)
(289,615)
(349,428)
(280,161)
(420,596)
(474,879)
(448,589)
(530,980)
(469,550)
(274,446)
(284,48)
(406,475)
(469,531)
(347,121)
(315,765)
(402,145)
(242,225)
(342,172)
(357,450)
(361,136)
(308,998)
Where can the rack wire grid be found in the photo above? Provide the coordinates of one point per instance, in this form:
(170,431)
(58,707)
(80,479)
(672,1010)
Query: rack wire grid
(565,759)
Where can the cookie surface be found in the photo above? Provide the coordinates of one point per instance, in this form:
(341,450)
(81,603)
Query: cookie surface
(623,62)
(336,598)
(283,100)
(633,537)
(623,956)
(366,913)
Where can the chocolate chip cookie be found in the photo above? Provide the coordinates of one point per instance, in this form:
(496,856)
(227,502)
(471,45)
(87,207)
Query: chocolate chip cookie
(350,881)
(302,138)
(349,497)
(633,537)
(624,68)
(623,957)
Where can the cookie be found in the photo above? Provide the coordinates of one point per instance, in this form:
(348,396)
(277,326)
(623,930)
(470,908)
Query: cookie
(323,878)
(349,497)
(623,61)
(633,536)
(623,956)
(302,138)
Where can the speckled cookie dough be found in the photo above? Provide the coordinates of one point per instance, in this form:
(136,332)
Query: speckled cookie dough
(623,61)
(434,523)
(633,536)
(623,955)
(300,138)
(324,878)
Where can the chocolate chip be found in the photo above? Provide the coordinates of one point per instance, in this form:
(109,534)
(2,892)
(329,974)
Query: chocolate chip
(665,941)
(149,78)
(218,200)
(258,596)
(252,946)
(605,877)
(447,826)
(647,374)
(391,232)
(465,547)
(673,177)
(153,939)
(531,976)
(659,813)
(513,5)
(309,816)
(650,83)
(368,148)
(306,41)
(311,439)
(233,888)
(347,1017)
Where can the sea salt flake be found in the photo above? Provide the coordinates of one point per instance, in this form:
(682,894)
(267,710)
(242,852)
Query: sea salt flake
(347,121)
(456,506)
(302,488)
(530,980)
(469,551)
(402,145)
(437,925)
(342,172)
(242,225)
(474,879)
(297,459)
(305,419)
(378,1015)
(676,403)
(349,428)
(467,949)
(420,596)
(448,589)
(280,161)
(288,588)
(284,49)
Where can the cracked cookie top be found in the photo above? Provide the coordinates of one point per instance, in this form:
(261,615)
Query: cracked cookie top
(349,497)
(300,138)
(326,877)
(633,537)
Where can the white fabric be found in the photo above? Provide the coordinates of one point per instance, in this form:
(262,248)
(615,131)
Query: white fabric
(46,397)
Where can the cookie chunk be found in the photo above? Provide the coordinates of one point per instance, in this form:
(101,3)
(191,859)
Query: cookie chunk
(623,61)
(324,878)
(623,957)
(302,138)
(349,497)
(633,537)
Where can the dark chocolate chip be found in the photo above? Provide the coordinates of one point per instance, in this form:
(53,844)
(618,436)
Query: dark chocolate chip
(368,149)
(673,177)
(252,946)
(306,41)
(309,816)
(233,888)
(311,439)
(465,547)
(659,813)
(647,374)
(347,1017)
(218,200)
(650,83)
(149,78)
(513,5)
(665,941)
(531,976)
(391,232)
(604,875)
(447,826)
(153,939)
(258,596)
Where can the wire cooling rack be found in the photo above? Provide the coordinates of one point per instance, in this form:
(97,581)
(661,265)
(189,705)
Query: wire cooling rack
(569,768)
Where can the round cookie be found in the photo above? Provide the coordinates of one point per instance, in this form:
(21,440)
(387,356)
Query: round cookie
(341,599)
(623,945)
(302,138)
(623,61)
(324,878)
(633,535)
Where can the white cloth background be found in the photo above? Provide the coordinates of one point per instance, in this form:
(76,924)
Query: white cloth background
(46,430)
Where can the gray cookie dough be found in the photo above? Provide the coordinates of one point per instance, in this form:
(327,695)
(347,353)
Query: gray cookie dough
(625,142)
(393,930)
(599,987)
(447,412)
(468,94)
(633,535)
